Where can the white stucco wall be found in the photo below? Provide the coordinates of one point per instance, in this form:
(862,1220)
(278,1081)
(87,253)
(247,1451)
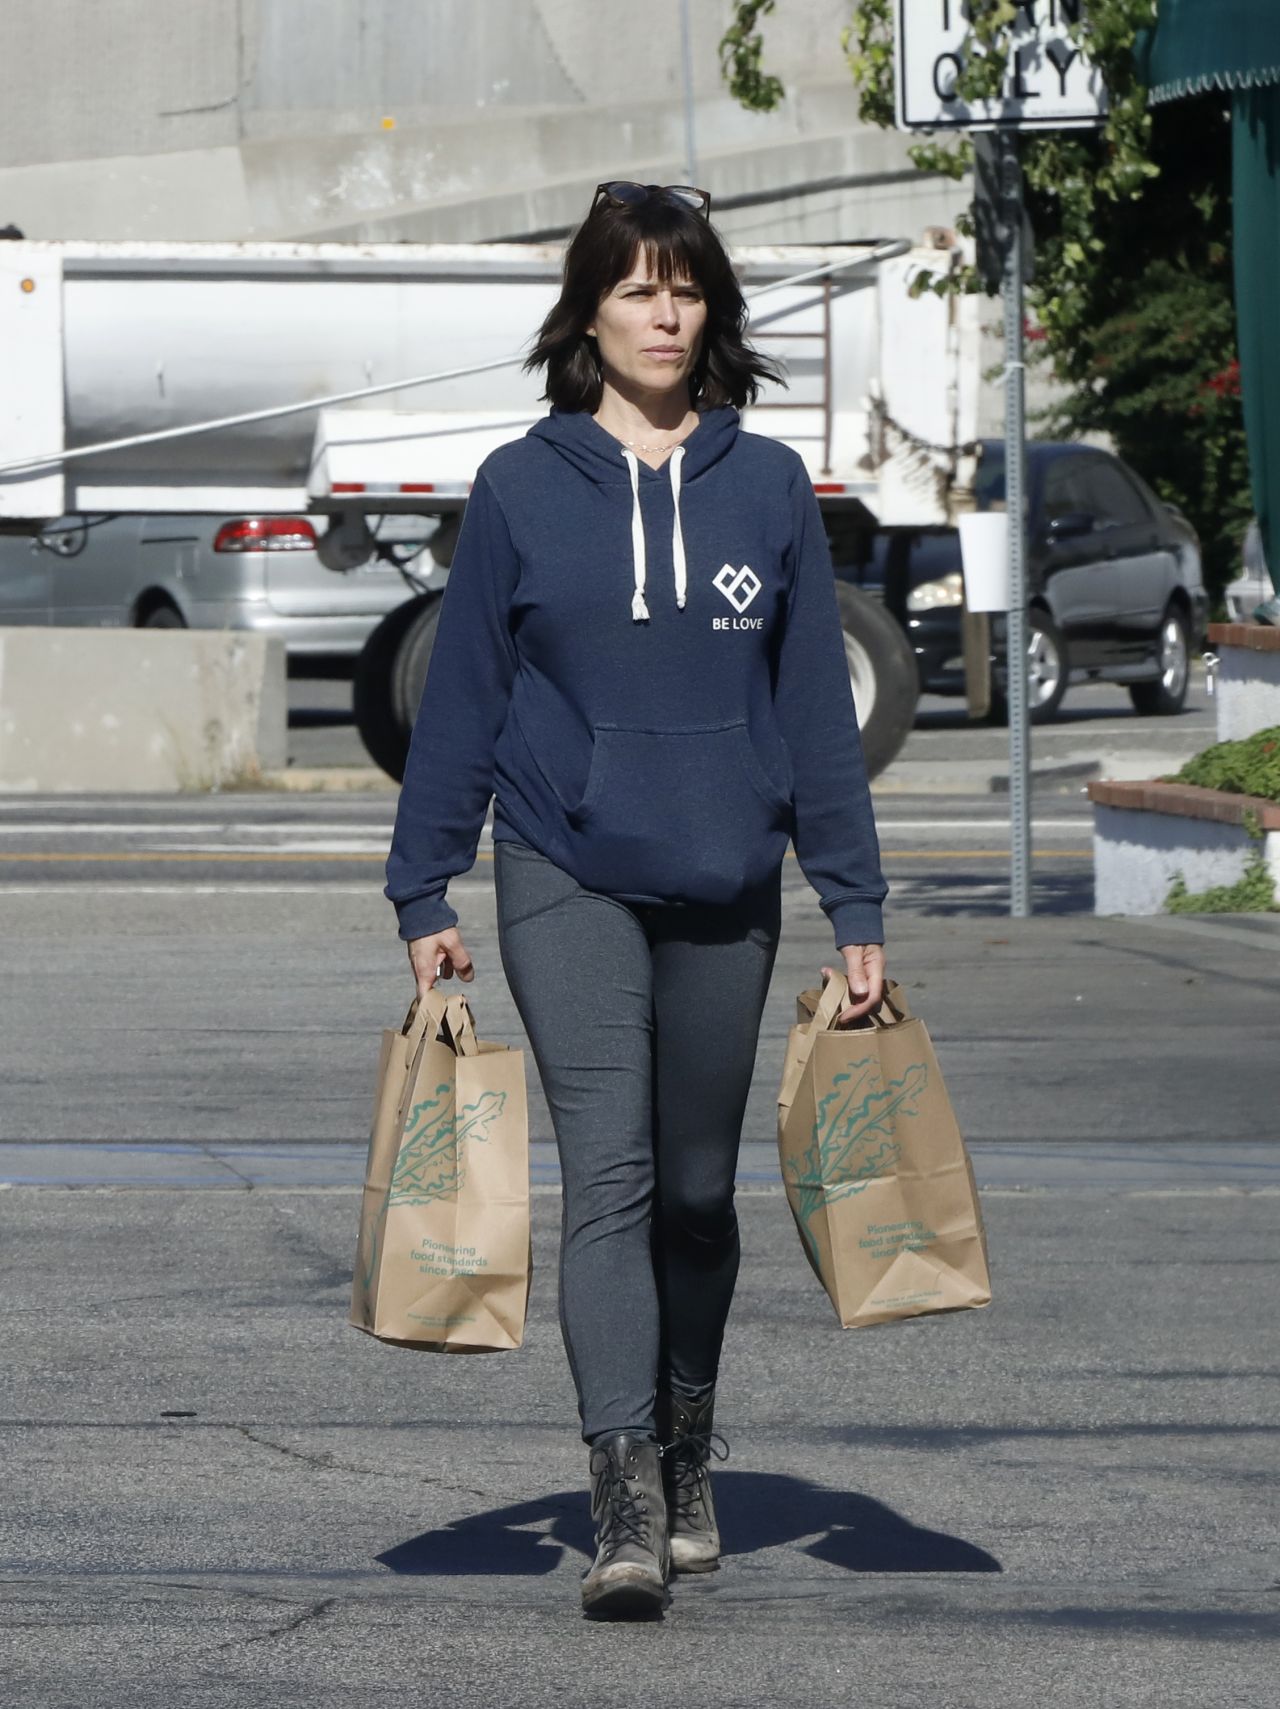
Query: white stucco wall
(1247,692)
(1137,856)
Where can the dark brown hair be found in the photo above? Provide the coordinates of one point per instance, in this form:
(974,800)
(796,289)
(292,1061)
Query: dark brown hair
(677,243)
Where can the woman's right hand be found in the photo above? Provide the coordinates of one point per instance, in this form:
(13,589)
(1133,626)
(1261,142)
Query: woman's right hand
(439,956)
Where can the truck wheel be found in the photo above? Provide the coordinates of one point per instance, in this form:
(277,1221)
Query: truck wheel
(409,672)
(392,669)
(383,728)
(1167,695)
(882,673)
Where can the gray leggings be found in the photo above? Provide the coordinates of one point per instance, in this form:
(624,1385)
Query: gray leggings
(643,1020)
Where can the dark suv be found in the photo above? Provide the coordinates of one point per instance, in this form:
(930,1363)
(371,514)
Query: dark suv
(1113,573)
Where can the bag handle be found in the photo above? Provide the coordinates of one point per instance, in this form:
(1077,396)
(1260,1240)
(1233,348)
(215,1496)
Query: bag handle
(459,1024)
(834,996)
(891,1009)
(443,1013)
(831,999)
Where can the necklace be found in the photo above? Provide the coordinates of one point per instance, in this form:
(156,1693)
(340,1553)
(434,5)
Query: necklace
(639,445)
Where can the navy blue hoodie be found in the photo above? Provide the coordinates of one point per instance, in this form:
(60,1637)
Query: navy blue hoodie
(645,669)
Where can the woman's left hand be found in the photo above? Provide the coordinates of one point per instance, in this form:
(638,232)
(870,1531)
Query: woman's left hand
(864,969)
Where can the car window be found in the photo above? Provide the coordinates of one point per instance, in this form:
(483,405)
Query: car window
(988,482)
(871,556)
(1113,500)
(1065,492)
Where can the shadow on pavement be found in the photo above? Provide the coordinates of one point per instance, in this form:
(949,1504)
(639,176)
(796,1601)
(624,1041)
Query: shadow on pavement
(947,894)
(956,717)
(757,1510)
(1185,1622)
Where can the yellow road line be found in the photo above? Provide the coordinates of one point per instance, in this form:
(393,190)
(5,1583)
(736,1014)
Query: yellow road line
(184,855)
(189,857)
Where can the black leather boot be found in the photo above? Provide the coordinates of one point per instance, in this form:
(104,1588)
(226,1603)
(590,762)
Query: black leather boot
(688,1442)
(633,1560)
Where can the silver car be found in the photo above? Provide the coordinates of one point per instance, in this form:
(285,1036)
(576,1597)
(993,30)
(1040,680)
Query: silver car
(269,574)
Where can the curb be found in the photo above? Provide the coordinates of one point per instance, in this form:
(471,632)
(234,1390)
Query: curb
(330,780)
(918,777)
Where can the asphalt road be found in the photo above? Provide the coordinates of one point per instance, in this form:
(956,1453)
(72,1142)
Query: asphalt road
(1097,733)
(218,1494)
(947,855)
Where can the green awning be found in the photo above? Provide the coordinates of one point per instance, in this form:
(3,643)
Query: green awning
(1255,160)
(1234,45)
(1198,45)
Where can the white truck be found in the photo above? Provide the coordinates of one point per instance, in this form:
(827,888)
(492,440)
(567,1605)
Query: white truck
(355,382)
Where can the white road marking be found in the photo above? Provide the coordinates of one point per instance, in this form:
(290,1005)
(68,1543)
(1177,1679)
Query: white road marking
(316,846)
(106,828)
(313,887)
(1077,824)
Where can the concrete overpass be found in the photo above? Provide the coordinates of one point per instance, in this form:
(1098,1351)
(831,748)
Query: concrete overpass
(453,120)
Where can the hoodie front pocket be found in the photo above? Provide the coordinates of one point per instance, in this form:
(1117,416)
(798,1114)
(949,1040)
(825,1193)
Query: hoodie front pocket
(686,814)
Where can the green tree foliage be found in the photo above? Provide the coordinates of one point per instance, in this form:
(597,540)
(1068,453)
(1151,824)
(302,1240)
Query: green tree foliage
(742,58)
(1132,300)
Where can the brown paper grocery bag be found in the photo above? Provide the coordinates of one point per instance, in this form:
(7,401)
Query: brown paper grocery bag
(876,1173)
(443,1254)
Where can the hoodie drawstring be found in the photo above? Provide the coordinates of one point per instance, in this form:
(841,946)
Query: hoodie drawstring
(677,537)
(639,610)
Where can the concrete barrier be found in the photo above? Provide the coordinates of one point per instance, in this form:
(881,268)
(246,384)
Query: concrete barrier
(138,710)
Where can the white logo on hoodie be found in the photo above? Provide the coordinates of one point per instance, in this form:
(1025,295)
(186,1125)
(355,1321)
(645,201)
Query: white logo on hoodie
(739,587)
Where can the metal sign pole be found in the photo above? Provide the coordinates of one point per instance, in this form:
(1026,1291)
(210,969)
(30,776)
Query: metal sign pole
(1015,463)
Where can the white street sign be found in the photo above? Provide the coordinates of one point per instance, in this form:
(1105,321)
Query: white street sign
(1049,83)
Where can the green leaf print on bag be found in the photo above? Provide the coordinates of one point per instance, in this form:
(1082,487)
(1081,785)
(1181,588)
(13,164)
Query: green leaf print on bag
(432,1160)
(852,1138)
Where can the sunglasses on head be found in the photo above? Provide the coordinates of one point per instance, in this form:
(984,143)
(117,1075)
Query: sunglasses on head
(621,193)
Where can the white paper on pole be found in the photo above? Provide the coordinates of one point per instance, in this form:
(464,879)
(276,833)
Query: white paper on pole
(984,555)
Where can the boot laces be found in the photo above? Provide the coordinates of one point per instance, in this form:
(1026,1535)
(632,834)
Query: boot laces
(625,1517)
(689,1456)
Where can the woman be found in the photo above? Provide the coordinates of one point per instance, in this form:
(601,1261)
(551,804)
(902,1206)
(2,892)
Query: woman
(639,658)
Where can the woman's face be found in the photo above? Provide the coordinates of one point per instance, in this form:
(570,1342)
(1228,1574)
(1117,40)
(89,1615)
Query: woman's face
(649,334)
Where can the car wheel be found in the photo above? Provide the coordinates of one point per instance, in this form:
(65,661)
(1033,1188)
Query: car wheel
(163,616)
(384,726)
(883,675)
(1048,672)
(1168,693)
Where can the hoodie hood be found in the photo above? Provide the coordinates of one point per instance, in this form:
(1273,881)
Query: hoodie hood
(583,443)
(580,440)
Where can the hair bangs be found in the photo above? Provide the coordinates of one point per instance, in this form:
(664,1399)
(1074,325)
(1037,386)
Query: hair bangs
(675,245)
